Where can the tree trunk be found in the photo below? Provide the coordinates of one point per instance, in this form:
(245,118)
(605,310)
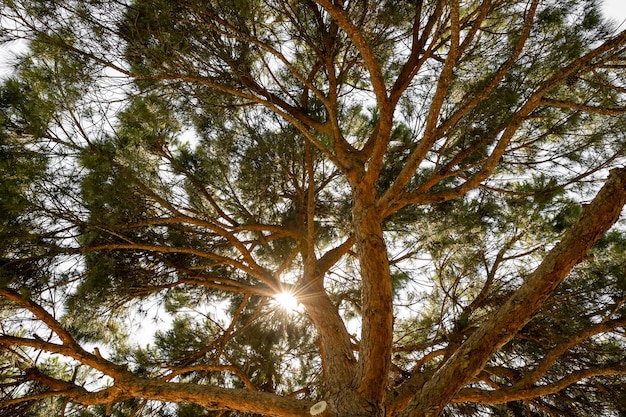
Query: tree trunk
(377,300)
(339,363)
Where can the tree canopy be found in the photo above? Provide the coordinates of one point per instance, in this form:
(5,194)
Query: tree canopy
(438,183)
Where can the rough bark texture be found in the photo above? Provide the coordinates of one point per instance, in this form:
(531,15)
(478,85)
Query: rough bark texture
(336,350)
(377,301)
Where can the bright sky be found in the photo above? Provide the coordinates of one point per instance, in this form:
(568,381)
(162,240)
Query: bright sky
(615,9)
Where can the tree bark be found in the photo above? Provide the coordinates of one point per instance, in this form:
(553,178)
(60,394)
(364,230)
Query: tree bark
(338,358)
(377,299)
(596,219)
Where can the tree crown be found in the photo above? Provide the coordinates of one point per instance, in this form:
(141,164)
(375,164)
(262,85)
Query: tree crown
(437,183)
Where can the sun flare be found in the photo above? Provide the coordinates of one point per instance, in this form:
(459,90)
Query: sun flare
(287,301)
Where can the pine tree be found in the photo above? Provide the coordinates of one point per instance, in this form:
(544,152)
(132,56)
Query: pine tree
(439,185)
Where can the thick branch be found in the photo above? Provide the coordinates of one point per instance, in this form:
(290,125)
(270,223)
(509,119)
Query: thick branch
(504,395)
(128,386)
(262,276)
(614,111)
(71,351)
(356,35)
(214,398)
(472,356)
(551,357)
(339,363)
(414,62)
(331,257)
(430,129)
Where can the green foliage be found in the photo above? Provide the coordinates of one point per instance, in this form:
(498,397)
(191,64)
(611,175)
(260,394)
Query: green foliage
(21,166)
(176,163)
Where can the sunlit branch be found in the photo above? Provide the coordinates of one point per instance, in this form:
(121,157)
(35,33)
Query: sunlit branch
(407,390)
(225,284)
(503,395)
(211,368)
(555,353)
(131,386)
(332,256)
(128,386)
(419,53)
(584,107)
(481,13)
(430,130)
(40,313)
(64,389)
(359,41)
(499,75)
(70,349)
(237,34)
(473,354)
(263,276)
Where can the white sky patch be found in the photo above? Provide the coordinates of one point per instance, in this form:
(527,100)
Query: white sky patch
(9,53)
(616,11)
